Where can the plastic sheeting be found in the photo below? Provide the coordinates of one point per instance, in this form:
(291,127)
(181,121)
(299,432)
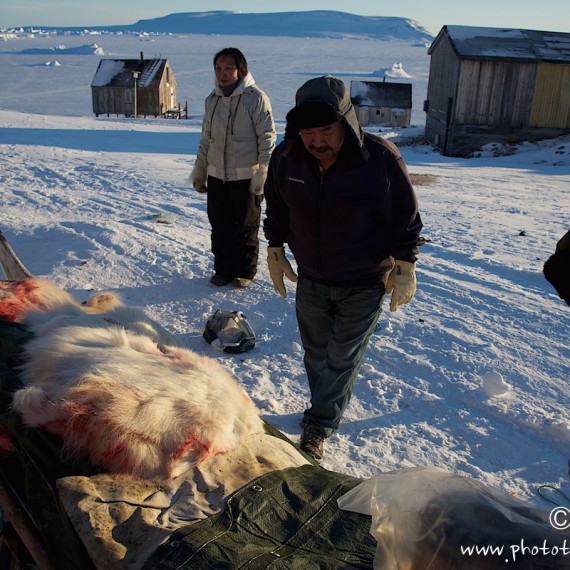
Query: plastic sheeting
(425,518)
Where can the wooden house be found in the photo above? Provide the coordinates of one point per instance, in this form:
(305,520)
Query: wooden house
(382,103)
(496,85)
(134,87)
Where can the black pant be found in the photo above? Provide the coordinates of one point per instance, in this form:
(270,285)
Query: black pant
(234,214)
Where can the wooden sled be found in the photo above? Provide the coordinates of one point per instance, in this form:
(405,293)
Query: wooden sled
(261,505)
(20,542)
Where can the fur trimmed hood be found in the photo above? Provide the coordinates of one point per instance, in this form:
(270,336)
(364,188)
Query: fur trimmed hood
(243,84)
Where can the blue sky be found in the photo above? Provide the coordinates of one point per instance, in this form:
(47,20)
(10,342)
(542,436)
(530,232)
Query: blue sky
(433,14)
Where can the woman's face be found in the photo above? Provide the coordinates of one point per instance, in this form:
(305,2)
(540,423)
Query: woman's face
(226,70)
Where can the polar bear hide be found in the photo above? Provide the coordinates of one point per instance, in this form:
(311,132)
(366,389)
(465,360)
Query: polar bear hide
(18,298)
(36,301)
(114,387)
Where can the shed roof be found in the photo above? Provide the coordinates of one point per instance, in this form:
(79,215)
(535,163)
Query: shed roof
(504,43)
(381,94)
(119,72)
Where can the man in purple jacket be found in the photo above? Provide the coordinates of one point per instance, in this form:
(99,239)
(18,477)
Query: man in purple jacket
(343,201)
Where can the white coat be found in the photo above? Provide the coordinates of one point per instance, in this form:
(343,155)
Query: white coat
(238,132)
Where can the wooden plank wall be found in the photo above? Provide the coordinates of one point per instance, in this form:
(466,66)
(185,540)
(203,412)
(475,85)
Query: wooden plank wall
(495,93)
(474,101)
(152,100)
(442,84)
(167,83)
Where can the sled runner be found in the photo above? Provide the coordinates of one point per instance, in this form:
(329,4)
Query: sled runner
(258,503)
(11,265)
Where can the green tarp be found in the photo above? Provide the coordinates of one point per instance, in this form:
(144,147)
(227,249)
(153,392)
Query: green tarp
(285,520)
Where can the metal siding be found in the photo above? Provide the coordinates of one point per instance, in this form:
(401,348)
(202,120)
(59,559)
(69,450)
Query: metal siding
(551,104)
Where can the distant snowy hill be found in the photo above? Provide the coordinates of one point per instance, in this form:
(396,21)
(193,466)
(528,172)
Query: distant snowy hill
(316,23)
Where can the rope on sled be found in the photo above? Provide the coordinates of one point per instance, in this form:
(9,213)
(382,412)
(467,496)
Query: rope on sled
(553,490)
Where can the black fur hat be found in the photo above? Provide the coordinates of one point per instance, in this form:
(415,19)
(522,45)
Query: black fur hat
(313,114)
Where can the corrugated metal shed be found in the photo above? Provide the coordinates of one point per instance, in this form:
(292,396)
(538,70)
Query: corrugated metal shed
(496,85)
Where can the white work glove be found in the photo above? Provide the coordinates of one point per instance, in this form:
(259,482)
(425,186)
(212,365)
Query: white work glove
(258,181)
(198,178)
(401,283)
(278,266)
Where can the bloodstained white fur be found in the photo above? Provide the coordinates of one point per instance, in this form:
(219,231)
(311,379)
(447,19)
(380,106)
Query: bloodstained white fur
(115,386)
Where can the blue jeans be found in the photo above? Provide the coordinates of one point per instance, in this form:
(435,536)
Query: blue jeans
(335,324)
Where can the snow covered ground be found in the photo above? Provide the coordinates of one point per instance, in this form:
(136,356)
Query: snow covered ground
(472,376)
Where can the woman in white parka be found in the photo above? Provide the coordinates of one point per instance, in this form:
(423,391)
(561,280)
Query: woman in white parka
(238,137)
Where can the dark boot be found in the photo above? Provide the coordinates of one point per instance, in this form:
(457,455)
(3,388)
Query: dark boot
(218,280)
(312,440)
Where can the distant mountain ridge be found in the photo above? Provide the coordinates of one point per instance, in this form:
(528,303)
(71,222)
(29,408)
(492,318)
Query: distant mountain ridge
(315,23)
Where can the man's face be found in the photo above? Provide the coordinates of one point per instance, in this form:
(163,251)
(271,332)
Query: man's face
(324,143)
(226,70)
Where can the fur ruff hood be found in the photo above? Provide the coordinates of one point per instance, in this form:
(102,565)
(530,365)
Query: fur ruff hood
(242,85)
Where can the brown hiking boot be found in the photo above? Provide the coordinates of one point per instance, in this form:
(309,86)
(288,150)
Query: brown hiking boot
(312,440)
(241,282)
